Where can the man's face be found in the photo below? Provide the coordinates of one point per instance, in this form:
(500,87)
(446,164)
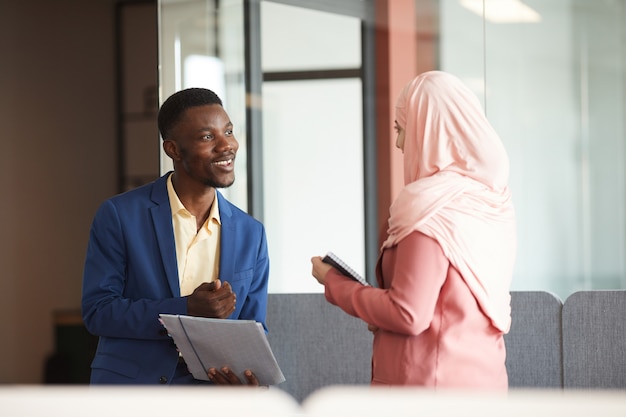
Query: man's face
(206,146)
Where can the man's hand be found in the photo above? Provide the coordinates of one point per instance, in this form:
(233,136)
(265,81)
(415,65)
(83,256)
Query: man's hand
(227,377)
(212,299)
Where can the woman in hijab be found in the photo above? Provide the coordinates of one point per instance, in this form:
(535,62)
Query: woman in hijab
(442,304)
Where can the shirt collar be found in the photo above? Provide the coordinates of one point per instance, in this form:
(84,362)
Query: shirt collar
(178,207)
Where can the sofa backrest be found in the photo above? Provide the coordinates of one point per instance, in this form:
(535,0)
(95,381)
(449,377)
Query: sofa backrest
(534,342)
(579,343)
(316,344)
(594,339)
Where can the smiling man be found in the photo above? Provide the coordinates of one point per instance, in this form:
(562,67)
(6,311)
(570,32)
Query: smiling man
(174,246)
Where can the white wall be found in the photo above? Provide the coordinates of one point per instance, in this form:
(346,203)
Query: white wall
(57,112)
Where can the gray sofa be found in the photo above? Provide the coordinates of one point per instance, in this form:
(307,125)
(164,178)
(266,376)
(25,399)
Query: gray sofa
(580,343)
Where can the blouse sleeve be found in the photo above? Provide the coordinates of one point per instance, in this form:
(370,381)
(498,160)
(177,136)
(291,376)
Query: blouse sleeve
(407,304)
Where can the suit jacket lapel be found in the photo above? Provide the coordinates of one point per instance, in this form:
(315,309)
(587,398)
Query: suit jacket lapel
(227,239)
(162,221)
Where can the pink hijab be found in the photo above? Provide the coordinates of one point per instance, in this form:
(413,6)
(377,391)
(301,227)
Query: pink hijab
(455,173)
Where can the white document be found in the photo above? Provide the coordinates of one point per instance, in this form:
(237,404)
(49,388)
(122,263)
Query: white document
(214,343)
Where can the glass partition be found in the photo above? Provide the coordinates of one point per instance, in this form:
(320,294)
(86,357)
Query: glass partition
(550,75)
(201,44)
(554,90)
(312,142)
(310,146)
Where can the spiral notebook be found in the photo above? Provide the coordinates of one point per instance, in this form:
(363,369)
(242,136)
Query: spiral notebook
(336,262)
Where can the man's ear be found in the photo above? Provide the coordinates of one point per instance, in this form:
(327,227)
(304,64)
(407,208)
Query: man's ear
(171,149)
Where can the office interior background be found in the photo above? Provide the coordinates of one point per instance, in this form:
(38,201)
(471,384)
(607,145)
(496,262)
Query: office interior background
(310,87)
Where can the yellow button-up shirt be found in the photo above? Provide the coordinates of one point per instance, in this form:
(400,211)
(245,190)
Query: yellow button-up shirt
(197,251)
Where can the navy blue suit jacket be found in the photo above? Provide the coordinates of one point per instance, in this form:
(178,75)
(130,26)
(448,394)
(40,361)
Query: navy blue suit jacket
(131,276)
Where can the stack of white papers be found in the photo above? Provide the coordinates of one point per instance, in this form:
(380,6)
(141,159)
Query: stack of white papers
(214,343)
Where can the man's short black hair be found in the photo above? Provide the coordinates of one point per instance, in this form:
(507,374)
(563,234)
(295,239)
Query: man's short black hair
(179,102)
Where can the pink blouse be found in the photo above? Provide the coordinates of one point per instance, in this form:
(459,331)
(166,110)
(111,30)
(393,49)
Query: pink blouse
(431,331)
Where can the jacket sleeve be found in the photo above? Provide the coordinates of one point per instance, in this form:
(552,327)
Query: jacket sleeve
(407,304)
(122,295)
(255,306)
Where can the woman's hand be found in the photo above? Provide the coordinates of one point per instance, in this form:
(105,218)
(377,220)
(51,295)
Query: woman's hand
(319,269)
